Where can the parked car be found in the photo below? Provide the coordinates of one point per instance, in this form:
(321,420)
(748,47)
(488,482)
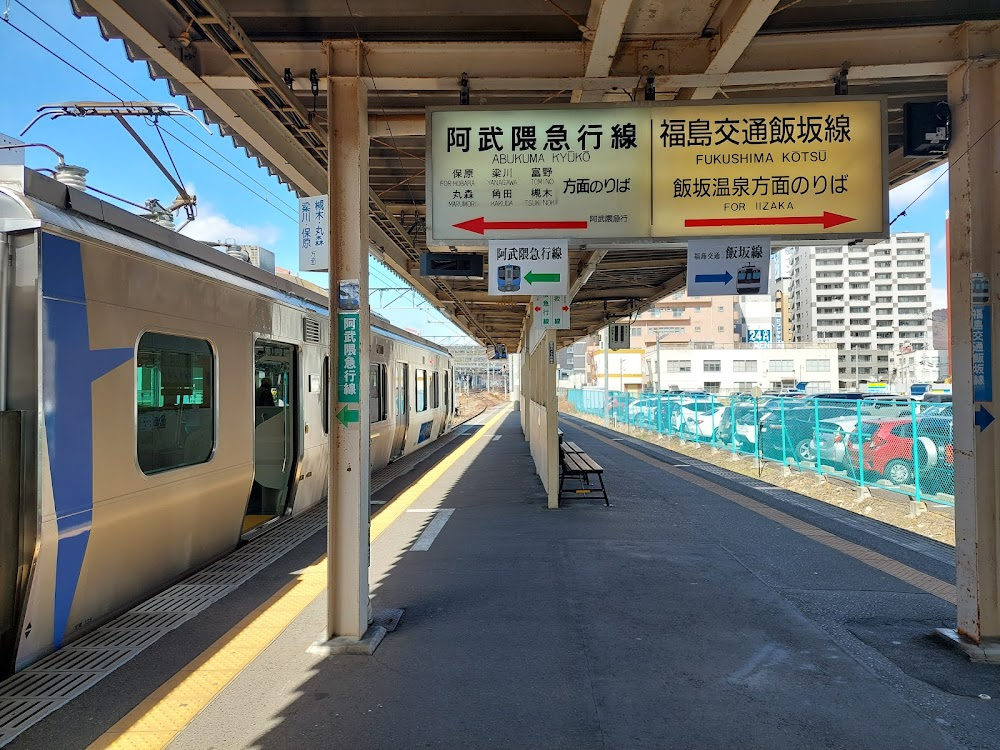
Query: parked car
(697,416)
(833,436)
(887,449)
(797,426)
(746,413)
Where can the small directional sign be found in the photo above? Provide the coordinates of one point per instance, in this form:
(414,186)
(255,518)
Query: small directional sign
(551,311)
(983,418)
(347,416)
(529,267)
(732,266)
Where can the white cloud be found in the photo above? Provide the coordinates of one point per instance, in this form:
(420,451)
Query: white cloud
(900,197)
(215,227)
(939,298)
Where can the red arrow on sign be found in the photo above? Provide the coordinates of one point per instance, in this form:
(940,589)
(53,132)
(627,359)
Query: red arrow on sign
(538,309)
(827,220)
(565,308)
(481,226)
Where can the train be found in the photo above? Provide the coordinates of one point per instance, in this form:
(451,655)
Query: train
(161,402)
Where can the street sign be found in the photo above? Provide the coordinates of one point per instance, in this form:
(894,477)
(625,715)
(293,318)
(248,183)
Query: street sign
(733,266)
(314,222)
(551,311)
(548,172)
(528,267)
(792,168)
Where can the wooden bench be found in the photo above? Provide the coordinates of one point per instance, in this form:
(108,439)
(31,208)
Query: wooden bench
(575,463)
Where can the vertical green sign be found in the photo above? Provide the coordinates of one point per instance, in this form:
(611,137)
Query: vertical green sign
(348,359)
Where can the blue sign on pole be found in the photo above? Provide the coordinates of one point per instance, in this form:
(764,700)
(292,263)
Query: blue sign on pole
(759,336)
(982,353)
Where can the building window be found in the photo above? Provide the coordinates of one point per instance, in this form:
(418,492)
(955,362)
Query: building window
(377,392)
(712,387)
(677,312)
(722,329)
(817,365)
(745,365)
(721,308)
(743,386)
(678,365)
(636,331)
(420,389)
(175,386)
(782,365)
(713,365)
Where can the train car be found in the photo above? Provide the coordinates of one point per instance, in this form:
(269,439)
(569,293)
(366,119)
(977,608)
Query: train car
(160,401)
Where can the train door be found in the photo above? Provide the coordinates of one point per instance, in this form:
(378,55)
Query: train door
(402,402)
(274,435)
(447,402)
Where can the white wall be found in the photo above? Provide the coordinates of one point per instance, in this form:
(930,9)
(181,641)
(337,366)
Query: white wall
(766,367)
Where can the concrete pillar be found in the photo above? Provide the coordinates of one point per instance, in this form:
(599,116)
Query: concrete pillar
(975,248)
(350,477)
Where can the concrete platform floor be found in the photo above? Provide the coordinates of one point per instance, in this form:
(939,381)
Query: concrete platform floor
(699,612)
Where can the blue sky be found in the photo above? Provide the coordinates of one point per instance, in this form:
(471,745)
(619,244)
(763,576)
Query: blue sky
(265,213)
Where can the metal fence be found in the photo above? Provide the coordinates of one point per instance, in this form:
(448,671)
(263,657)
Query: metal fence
(886,443)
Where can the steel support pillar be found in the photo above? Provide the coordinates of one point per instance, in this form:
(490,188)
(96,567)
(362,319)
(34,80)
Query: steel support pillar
(350,477)
(975,249)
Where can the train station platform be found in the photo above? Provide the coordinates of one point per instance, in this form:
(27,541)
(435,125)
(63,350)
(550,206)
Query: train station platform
(701,610)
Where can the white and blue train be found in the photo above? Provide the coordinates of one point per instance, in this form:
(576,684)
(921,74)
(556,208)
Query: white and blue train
(160,400)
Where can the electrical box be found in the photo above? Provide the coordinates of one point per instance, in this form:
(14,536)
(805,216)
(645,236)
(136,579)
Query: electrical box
(452,265)
(926,128)
(621,336)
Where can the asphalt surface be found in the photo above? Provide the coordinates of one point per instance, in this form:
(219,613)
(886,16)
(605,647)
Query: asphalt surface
(674,619)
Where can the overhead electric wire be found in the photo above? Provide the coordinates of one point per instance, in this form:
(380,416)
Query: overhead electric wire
(954,161)
(111,93)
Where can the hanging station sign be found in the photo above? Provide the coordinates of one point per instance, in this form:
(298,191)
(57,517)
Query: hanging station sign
(793,168)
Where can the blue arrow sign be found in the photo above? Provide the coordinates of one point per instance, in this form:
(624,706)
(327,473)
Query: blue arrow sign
(714,278)
(983,418)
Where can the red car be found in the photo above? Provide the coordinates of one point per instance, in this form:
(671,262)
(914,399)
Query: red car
(887,448)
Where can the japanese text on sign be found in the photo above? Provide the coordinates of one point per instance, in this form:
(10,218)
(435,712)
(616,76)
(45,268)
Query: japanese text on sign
(982,353)
(314,251)
(348,341)
(791,168)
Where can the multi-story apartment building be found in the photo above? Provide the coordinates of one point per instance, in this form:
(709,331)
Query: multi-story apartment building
(867,300)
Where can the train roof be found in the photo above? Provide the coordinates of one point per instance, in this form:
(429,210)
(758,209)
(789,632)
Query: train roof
(47,201)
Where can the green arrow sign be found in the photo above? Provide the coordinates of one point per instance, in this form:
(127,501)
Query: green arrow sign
(348,416)
(531,277)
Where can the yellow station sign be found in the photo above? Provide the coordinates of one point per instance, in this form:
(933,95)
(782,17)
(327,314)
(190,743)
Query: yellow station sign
(777,169)
(792,169)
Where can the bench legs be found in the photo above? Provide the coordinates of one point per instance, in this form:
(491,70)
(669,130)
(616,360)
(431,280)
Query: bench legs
(584,482)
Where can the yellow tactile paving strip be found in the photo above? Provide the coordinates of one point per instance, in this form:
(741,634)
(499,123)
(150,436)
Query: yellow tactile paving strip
(155,722)
(930,584)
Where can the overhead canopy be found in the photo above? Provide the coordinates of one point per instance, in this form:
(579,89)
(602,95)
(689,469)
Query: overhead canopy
(229,57)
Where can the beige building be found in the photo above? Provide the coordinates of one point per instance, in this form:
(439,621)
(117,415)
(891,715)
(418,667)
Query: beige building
(697,321)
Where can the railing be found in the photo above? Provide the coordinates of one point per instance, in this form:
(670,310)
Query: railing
(889,444)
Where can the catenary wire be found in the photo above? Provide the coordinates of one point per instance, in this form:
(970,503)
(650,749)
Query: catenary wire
(111,93)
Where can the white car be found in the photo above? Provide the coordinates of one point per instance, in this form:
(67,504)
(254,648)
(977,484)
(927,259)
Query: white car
(699,417)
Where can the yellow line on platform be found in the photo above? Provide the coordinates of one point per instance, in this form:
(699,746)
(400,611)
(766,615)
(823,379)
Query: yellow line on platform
(930,584)
(155,722)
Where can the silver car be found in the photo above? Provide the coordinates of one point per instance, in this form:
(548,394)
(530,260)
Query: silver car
(833,435)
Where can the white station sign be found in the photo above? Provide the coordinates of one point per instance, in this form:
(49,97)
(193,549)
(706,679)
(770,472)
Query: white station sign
(728,266)
(528,267)
(551,311)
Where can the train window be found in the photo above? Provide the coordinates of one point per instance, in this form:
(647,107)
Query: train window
(435,391)
(420,382)
(377,392)
(175,382)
